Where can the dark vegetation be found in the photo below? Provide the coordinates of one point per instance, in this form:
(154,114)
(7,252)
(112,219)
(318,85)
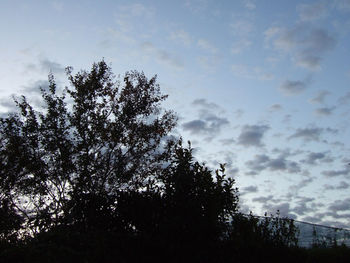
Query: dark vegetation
(95,176)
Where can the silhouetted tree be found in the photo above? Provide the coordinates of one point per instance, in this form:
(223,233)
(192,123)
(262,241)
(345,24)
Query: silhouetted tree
(10,221)
(68,161)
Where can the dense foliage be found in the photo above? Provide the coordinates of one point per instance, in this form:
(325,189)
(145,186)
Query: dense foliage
(96,177)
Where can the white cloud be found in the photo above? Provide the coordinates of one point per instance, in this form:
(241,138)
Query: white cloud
(206,45)
(128,16)
(314,11)
(182,37)
(196,6)
(239,46)
(244,71)
(342,5)
(57,5)
(119,36)
(249,4)
(137,10)
(242,28)
(271,32)
(209,62)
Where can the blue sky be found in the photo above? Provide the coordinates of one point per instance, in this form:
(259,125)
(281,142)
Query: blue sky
(262,86)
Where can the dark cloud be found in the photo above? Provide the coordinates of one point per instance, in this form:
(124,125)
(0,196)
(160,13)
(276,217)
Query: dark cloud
(287,118)
(292,167)
(295,188)
(32,94)
(325,111)
(249,189)
(195,126)
(205,104)
(334,214)
(263,162)
(331,130)
(334,173)
(230,166)
(34,88)
(328,187)
(307,134)
(314,45)
(293,87)
(345,99)
(345,160)
(283,209)
(320,97)
(239,113)
(286,152)
(209,123)
(232,171)
(46,66)
(340,205)
(314,157)
(336,224)
(258,163)
(314,11)
(271,206)
(8,104)
(323,219)
(280,163)
(51,66)
(275,107)
(251,135)
(31,91)
(161,55)
(277,164)
(342,186)
(307,45)
(302,208)
(263,199)
(312,219)
(227,141)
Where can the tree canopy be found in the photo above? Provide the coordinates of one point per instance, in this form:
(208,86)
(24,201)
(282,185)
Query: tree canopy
(99,136)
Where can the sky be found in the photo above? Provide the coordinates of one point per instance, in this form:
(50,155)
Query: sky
(263,86)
